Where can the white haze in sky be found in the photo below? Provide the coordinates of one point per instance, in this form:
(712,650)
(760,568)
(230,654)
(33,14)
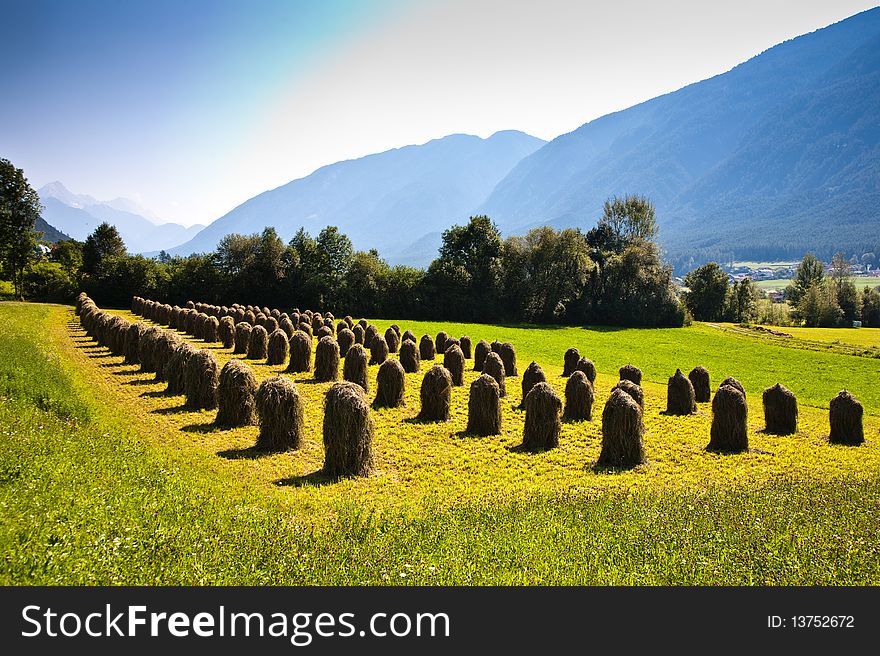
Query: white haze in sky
(468,66)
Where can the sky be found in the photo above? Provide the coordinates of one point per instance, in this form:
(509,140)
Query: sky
(191,108)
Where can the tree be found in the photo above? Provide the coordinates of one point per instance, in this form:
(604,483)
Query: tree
(809,271)
(104,243)
(335,253)
(69,254)
(19,210)
(707,292)
(629,219)
(871,307)
(868,260)
(844,290)
(742,301)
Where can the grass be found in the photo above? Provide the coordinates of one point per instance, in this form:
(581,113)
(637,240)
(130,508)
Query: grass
(867,337)
(106,480)
(779,284)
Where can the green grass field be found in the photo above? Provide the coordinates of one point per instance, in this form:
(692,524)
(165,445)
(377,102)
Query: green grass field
(104,479)
(780,284)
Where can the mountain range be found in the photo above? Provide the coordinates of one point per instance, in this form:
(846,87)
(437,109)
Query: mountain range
(77,216)
(776,157)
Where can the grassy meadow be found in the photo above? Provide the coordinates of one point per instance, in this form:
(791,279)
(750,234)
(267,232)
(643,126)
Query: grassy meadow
(105,479)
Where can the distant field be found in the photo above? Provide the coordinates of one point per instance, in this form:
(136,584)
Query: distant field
(780,283)
(869,337)
(105,479)
(766,265)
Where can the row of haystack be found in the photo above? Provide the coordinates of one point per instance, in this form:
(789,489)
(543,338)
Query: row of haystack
(622,428)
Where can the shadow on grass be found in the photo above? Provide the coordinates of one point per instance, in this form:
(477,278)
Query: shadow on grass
(248,453)
(176,410)
(207,427)
(315,479)
(157,394)
(147,381)
(417,420)
(597,468)
(128,372)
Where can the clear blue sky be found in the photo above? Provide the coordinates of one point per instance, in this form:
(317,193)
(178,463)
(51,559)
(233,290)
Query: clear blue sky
(192,106)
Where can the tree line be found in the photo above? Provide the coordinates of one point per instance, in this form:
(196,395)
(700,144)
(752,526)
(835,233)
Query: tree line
(612,274)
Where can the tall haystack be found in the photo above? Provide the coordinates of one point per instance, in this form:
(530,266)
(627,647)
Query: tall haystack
(226,331)
(211,331)
(378,349)
(780,410)
(533,375)
(465,344)
(631,372)
(392,338)
(201,380)
(345,339)
(633,390)
(280,413)
(258,346)
(508,357)
(132,342)
(395,328)
(348,432)
(326,360)
(436,394)
(680,399)
(235,395)
(300,346)
(570,360)
(481,350)
(175,370)
(359,334)
(146,348)
(543,425)
(699,377)
(484,407)
(845,415)
(586,365)
(276,352)
(408,335)
(363,323)
(390,385)
(426,348)
(317,322)
(409,356)
(242,337)
(578,398)
(453,361)
(370,334)
(287,326)
(440,342)
(730,414)
(323,332)
(355,368)
(162,350)
(622,432)
(495,368)
(270,324)
(306,327)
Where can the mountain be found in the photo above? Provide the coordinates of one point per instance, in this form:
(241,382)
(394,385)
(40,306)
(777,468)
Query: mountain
(50,233)
(78,215)
(386,201)
(775,157)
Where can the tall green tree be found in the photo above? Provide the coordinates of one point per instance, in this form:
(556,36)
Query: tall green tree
(102,245)
(809,272)
(335,253)
(19,211)
(631,218)
(707,292)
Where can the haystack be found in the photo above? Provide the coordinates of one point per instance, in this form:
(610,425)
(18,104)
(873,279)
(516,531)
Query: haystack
(235,395)
(201,380)
(586,365)
(533,375)
(280,412)
(453,361)
(258,346)
(543,425)
(570,360)
(633,390)
(276,352)
(578,398)
(729,421)
(484,407)
(481,350)
(632,373)
(680,399)
(242,337)
(495,368)
(390,385)
(348,432)
(426,348)
(378,349)
(355,368)
(845,415)
(326,360)
(622,432)
(780,410)
(436,394)
(699,377)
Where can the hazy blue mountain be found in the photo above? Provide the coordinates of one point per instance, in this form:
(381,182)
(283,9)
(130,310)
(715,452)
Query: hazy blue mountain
(78,215)
(778,154)
(386,201)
